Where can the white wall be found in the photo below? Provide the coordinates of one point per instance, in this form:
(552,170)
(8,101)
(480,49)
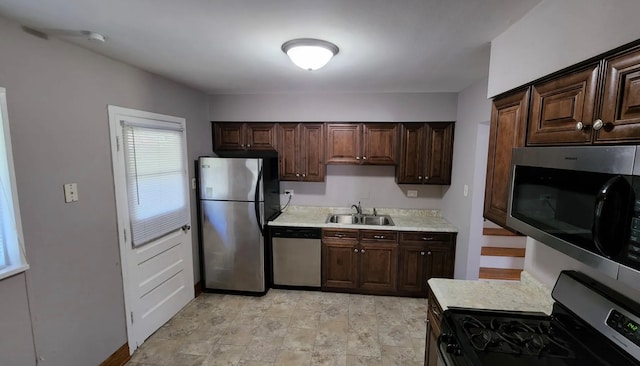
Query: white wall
(557,34)
(374,186)
(469,166)
(57,97)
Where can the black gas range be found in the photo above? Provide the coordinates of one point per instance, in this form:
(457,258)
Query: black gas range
(590,325)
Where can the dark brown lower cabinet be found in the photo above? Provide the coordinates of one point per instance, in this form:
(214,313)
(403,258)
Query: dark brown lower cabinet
(372,261)
(434,317)
(422,256)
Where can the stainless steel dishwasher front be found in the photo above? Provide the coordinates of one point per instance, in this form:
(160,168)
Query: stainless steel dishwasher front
(296,256)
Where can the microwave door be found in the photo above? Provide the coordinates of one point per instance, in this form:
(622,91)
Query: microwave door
(612,216)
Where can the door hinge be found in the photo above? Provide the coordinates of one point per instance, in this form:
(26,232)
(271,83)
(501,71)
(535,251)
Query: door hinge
(132,317)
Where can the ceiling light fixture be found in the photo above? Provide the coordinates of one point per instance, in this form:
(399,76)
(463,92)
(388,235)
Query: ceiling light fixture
(308,53)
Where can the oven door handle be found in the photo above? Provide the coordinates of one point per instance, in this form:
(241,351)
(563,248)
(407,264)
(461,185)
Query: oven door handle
(444,357)
(612,216)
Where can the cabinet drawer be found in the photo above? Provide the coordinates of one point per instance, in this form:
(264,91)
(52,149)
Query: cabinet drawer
(339,234)
(378,235)
(424,237)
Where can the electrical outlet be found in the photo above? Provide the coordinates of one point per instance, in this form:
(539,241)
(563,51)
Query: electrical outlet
(412,193)
(288,192)
(70,192)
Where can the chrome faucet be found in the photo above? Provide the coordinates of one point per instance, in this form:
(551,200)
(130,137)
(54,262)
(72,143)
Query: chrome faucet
(358,208)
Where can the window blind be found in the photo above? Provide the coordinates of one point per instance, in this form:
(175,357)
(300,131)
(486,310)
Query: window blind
(156,178)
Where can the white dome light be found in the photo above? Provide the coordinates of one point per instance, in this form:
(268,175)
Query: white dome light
(309,54)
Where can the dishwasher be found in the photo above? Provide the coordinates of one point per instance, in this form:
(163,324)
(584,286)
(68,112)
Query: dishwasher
(296,256)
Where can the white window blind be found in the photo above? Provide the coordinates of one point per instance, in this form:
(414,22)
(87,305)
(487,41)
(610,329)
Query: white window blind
(12,253)
(156,179)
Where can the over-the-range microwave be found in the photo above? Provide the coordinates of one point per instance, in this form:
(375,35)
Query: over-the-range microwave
(582,201)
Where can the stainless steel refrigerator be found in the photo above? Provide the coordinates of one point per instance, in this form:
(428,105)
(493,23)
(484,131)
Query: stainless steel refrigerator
(237,197)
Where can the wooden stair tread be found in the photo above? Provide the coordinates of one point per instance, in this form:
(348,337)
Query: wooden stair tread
(503,252)
(499,273)
(498,231)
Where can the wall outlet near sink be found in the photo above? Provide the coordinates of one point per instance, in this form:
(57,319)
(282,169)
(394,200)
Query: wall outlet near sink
(288,192)
(412,193)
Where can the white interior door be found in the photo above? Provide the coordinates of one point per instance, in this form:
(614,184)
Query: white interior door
(152,197)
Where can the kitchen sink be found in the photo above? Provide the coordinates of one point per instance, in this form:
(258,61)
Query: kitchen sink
(374,220)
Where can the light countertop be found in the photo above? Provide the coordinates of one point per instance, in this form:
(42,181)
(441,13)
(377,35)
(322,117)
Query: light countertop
(525,295)
(404,220)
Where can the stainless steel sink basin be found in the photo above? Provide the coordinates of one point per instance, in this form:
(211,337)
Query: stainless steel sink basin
(342,219)
(379,220)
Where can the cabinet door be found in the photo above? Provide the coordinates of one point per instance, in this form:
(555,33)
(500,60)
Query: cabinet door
(431,350)
(228,136)
(312,152)
(440,262)
(412,276)
(439,153)
(339,263)
(559,104)
(260,136)
(507,130)
(343,143)
(378,265)
(288,151)
(411,165)
(621,100)
(380,143)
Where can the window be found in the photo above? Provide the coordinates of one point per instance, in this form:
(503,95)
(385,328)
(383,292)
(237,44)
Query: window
(12,254)
(156,175)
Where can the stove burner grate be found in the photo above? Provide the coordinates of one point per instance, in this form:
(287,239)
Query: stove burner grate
(514,337)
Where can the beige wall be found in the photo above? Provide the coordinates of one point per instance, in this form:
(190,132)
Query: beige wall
(557,34)
(57,95)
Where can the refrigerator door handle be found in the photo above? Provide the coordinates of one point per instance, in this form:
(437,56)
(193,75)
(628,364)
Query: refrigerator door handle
(257,202)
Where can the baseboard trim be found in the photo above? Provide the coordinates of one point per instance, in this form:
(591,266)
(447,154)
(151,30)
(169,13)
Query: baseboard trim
(119,357)
(197,289)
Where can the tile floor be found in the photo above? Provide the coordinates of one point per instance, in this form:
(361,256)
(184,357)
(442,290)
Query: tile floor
(290,328)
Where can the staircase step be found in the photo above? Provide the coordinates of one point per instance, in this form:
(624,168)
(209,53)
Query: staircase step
(498,231)
(503,252)
(500,273)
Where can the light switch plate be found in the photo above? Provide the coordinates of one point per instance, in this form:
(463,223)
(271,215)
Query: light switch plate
(465,190)
(70,192)
(412,193)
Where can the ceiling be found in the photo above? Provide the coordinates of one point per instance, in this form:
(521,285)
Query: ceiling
(233,47)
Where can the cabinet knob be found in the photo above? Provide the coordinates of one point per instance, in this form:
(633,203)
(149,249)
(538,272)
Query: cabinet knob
(426,178)
(304,175)
(361,250)
(427,238)
(581,126)
(421,253)
(339,235)
(248,145)
(242,145)
(378,236)
(364,158)
(419,177)
(355,250)
(598,124)
(357,158)
(429,253)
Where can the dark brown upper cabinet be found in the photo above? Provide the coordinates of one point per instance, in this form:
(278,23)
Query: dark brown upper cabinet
(426,153)
(508,128)
(362,143)
(301,152)
(562,109)
(244,136)
(621,100)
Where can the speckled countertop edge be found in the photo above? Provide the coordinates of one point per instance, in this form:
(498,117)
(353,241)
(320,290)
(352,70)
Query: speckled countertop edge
(525,295)
(405,220)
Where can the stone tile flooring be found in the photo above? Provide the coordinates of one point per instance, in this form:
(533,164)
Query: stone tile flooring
(287,327)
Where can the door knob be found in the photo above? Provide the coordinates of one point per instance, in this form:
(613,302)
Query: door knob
(186,228)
